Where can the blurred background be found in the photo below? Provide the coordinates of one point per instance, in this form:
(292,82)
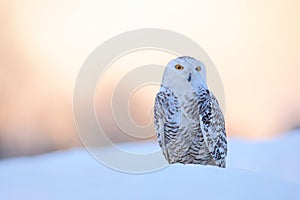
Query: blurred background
(254,44)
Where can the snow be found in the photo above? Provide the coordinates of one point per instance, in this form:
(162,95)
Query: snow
(264,170)
(279,157)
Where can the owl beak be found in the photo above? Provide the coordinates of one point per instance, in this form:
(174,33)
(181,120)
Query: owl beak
(189,77)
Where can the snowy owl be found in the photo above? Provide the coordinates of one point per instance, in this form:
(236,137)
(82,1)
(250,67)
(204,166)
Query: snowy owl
(188,120)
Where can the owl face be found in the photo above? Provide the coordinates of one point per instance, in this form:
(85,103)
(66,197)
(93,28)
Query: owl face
(185,71)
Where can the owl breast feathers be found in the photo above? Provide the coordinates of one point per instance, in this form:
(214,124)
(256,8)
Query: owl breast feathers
(190,126)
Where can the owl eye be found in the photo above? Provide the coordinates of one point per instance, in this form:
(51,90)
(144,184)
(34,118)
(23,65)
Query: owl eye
(179,67)
(198,68)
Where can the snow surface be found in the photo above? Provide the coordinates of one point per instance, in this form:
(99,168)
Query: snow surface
(265,170)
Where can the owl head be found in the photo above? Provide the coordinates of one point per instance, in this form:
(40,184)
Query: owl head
(184,72)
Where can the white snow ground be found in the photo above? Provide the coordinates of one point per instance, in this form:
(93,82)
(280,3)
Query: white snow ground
(265,170)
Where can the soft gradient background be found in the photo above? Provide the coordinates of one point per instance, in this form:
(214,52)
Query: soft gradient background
(254,44)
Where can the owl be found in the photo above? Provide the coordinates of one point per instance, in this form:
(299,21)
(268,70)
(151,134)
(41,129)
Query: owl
(188,120)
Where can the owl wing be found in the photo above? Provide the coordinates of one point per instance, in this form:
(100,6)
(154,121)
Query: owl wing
(166,119)
(212,125)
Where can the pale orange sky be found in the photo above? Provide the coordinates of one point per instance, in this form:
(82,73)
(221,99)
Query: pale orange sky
(254,44)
